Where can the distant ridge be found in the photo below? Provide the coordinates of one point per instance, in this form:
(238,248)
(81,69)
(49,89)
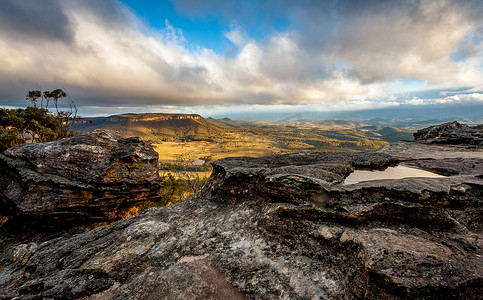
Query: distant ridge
(158,126)
(151,117)
(294,117)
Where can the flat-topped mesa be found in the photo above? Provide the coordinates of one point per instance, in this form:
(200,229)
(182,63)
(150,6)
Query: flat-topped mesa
(451,133)
(151,117)
(78,180)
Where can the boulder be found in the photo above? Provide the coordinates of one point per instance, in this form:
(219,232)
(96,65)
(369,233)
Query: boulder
(451,133)
(89,178)
(278,227)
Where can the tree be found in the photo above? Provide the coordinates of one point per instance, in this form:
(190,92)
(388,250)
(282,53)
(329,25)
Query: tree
(32,96)
(37,123)
(54,95)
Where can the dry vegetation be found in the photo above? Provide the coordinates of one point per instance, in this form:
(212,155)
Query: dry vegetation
(229,145)
(260,141)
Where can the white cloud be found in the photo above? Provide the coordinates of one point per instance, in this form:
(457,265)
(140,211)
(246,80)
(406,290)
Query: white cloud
(361,61)
(473,98)
(236,35)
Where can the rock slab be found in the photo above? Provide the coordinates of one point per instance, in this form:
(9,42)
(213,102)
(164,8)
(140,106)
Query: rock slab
(279,227)
(78,180)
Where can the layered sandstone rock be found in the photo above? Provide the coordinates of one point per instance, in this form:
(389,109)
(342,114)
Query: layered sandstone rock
(451,133)
(79,180)
(279,227)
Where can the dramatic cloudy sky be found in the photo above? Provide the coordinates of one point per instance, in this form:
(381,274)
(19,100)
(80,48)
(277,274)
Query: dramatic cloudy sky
(222,55)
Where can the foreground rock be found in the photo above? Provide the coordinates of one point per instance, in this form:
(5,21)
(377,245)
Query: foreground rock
(451,133)
(78,180)
(280,227)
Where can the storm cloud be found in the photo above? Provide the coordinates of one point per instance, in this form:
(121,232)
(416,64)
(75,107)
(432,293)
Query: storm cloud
(330,52)
(30,21)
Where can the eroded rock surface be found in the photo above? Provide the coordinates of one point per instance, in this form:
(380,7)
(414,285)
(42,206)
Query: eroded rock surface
(451,133)
(78,180)
(279,227)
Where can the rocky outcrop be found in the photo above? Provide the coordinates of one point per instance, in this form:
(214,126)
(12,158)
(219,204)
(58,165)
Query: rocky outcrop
(79,180)
(279,227)
(451,133)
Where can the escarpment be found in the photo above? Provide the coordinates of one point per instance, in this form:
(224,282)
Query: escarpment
(280,227)
(151,117)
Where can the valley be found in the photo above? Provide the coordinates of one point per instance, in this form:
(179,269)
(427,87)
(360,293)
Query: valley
(182,139)
(187,144)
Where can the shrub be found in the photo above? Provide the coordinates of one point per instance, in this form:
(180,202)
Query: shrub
(37,123)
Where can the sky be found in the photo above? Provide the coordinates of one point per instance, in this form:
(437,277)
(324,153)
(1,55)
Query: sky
(222,56)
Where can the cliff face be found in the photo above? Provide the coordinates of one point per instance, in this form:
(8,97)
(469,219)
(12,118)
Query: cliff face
(78,180)
(151,117)
(278,227)
(158,126)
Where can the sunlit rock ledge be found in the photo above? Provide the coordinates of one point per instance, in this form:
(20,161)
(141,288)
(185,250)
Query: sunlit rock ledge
(278,227)
(79,180)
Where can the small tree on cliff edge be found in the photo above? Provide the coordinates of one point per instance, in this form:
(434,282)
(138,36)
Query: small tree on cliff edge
(54,96)
(36,123)
(32,96)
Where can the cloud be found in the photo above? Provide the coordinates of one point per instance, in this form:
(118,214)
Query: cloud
(31,21)
(343,52)
(110,61)
(381,40)
(466,99)
(236,35)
